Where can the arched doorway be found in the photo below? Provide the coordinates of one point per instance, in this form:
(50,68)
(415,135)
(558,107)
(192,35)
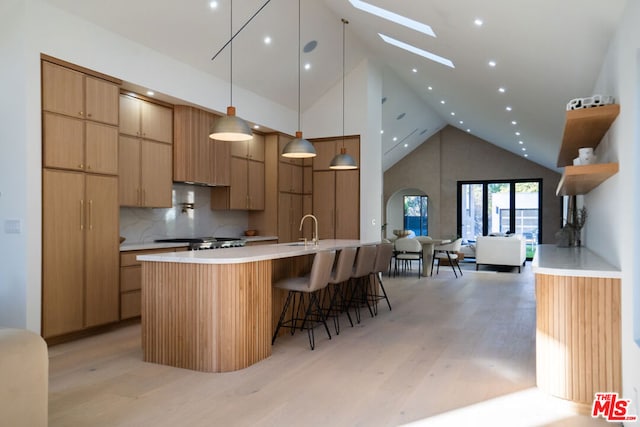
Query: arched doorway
(407,209)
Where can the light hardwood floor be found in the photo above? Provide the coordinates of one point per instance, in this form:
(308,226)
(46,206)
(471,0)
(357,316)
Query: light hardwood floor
(453,352)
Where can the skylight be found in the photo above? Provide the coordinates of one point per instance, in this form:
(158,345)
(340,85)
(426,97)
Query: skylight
(393,17)
(417,51)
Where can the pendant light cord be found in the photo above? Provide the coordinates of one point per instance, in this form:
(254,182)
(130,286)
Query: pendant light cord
(231,55)
(299,65)
(344,23)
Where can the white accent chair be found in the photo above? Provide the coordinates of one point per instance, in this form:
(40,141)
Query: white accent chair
(503,251)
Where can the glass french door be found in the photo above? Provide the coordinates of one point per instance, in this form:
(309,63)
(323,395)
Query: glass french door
(500,207)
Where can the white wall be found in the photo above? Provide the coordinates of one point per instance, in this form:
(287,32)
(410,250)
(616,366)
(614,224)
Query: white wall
(31,27)
(613,227)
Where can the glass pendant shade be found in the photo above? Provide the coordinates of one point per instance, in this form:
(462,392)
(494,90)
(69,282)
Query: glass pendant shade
(231,128)
(343,161)
(299,148)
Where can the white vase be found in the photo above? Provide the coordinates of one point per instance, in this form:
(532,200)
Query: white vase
(586,156)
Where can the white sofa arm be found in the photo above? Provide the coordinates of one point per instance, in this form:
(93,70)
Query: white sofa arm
(24,379)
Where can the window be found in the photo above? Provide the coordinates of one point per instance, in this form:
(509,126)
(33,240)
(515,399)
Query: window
(415,215)
(508,206)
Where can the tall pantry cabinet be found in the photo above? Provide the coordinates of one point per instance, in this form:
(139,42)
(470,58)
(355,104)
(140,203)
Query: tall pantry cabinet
(80,246)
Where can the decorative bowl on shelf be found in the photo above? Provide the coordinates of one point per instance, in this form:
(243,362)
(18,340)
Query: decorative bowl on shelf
(401,233)
(250,233)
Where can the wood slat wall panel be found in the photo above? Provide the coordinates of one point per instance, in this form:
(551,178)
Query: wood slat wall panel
(578,336)
(206,317)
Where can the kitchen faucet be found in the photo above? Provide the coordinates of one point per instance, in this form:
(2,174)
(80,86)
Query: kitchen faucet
(314,237)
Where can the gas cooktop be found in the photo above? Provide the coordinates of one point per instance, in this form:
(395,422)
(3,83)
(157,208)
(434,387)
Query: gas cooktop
(198,243)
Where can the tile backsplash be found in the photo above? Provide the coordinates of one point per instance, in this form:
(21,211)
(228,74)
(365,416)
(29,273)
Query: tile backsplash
(144,225)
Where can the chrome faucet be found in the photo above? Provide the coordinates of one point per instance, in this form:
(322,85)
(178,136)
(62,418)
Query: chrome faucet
(314,237)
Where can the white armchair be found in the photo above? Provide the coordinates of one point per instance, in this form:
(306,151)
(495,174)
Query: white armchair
(496,250)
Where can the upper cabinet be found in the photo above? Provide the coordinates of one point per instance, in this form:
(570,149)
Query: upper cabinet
(196,157)
(585,128)
(247,177)
(145,153)
(79,121)
(145,119)
(75,94)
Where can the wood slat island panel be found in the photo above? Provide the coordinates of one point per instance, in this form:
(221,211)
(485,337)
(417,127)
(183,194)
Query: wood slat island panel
(578,347)
(206,317)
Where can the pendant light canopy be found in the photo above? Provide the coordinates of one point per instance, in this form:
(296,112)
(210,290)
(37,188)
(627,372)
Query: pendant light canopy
(343,161)
(231,127)
(299,148)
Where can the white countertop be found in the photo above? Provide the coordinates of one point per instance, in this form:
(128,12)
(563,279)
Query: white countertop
(259,238)
(251,253)
(578,262)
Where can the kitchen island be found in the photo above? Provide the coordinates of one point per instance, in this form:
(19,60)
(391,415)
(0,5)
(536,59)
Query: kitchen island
(212,310)
(578,344)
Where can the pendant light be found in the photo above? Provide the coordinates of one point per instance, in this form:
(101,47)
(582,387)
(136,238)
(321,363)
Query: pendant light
(231,127)
(343,161)
(299,148)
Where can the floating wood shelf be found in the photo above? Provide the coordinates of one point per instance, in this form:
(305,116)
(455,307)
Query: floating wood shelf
(585,128)
(582,179)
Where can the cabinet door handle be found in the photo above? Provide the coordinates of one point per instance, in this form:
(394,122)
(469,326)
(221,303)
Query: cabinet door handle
(88,114)
(90,214)
(80,113)
(144,196)
(81,214)
(81,166)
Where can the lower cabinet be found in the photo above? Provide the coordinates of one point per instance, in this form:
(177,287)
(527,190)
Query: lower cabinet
(131,280)
(80,249)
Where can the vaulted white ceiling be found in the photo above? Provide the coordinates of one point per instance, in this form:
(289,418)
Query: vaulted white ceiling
(546,52)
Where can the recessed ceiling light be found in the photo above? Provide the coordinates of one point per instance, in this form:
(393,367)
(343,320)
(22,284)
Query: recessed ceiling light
(150,93)
(478,22)
(517,133)
(520,142)
(395,139)
(213,4)
(256,126)
(502,90)
(443,102)
(381,131)
(415,70)
(307,66)
(492,63)
(469,130)
(461,122)
(524,149)
(430,88)
(267,40)
(406,145)
(417,51)
(393,17)
(508,108)
(453,114)
(513,122)
(526,155)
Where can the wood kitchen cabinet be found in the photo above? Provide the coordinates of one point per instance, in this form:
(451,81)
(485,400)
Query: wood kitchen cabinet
(336,194)
(76,94)
(80,249)
(246,189)
(145,154)
(77,144)
(196,157)
(145,119)
(79,120)
(145,173)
